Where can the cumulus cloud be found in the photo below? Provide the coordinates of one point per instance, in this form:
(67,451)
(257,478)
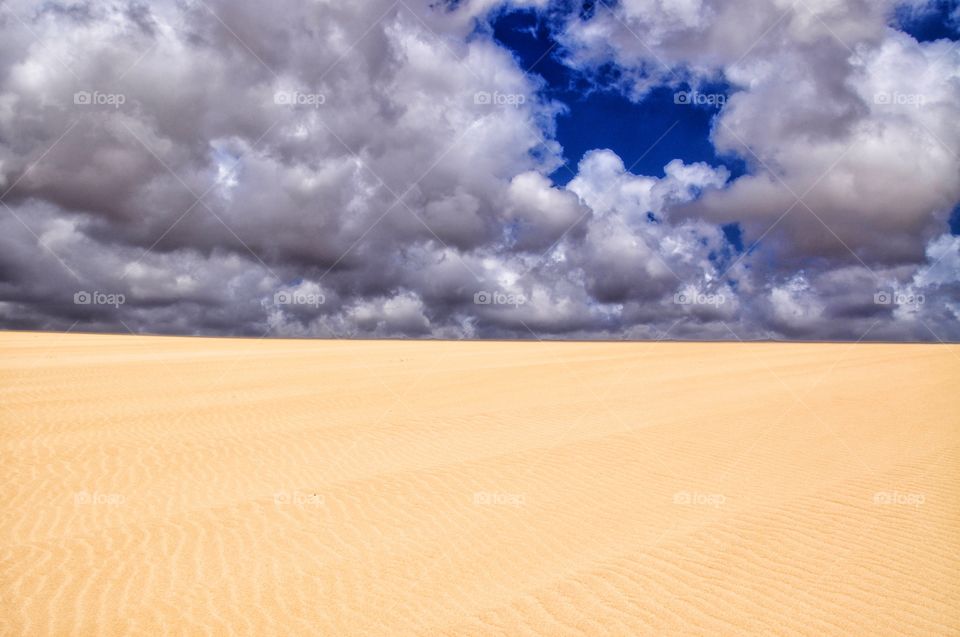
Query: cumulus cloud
(382,169)
(541,213)
(849,129)
(329,166)
(629,252)
(880,176)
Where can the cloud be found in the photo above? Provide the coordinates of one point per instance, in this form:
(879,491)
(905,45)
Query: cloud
(316,169)
(542,214)
(844,122)
(847,126)
(878,175)
(628,253)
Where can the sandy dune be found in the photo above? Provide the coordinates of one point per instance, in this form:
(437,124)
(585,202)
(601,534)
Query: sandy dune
(197,486)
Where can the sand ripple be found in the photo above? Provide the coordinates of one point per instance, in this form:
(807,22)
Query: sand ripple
(160,486)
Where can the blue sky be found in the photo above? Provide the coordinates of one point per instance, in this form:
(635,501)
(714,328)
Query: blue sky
(938,20)
(646,135)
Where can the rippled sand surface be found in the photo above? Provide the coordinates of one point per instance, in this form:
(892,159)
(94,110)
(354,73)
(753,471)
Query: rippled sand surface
(181,486)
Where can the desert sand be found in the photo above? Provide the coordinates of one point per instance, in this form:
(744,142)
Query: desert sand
(190,486)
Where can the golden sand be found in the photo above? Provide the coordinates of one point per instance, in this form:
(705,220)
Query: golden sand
(183,486)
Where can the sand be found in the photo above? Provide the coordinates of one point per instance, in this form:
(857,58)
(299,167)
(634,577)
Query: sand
(184,486)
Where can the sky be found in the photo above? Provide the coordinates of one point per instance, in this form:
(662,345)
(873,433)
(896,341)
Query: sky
(531,169)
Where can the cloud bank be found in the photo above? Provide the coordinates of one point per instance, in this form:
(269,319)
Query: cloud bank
(382,169)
